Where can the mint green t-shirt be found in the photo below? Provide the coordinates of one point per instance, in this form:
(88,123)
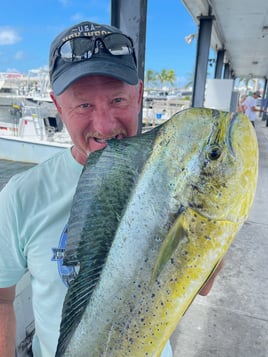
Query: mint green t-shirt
(35,207)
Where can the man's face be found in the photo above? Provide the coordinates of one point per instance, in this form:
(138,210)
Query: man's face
(97,108)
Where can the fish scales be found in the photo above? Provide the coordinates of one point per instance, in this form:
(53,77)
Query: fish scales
(172,215)
(87,220)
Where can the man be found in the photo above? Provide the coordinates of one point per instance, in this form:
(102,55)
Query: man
(98,96)
(250,106)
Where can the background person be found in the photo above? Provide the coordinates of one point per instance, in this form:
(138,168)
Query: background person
(250,106)
(241,108)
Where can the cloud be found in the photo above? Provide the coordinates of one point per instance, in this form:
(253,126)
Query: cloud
(8,36)
(19,55)
(65,2)
(77,17)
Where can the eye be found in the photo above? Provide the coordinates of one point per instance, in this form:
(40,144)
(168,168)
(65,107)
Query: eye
(117,100)
(84,105)
(214,152)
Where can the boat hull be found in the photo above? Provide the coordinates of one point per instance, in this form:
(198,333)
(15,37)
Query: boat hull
(18,149)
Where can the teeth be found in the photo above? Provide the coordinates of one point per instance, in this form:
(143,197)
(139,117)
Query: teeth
(105,140)
(101,140)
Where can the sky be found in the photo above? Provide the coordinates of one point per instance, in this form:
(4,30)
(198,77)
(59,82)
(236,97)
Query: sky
(27,28)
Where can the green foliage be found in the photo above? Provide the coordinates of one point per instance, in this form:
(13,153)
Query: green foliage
(165,77)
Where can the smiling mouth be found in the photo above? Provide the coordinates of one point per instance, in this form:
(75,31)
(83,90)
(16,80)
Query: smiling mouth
(101,141)
(104,140)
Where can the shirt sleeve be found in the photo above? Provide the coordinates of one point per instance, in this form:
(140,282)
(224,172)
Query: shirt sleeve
(12,260)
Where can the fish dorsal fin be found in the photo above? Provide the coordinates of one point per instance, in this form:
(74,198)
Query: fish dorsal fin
(102,194)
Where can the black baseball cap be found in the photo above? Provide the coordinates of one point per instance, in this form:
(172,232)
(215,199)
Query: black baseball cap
(65,71)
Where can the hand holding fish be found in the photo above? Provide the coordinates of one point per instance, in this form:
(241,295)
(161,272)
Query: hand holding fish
(204,291)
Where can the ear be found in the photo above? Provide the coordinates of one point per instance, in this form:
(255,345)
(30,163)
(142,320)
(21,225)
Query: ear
(55,101)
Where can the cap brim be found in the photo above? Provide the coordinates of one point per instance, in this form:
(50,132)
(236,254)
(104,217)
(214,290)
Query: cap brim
(97,66)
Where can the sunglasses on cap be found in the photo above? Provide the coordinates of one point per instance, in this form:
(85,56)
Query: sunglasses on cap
(82,48)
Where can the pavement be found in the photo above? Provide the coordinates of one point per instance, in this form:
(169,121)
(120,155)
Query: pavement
(232,321)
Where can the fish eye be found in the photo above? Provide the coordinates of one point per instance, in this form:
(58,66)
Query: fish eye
(214,152)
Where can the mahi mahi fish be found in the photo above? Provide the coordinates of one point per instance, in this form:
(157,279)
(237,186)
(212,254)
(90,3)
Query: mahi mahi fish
(151,218)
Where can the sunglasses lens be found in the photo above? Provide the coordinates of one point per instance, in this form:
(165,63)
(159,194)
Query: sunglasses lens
(77,49)
(118,45)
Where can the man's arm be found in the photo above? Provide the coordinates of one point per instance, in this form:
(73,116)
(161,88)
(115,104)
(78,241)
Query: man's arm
(208,285)
(255,109)
(7,322)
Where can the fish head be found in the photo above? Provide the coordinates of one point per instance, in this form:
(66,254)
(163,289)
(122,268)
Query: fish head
(220,164)
(214,167)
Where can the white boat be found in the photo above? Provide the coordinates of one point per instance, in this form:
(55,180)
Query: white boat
(32,139)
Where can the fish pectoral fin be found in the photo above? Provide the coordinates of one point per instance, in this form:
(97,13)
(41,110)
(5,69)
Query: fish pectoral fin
(176,233)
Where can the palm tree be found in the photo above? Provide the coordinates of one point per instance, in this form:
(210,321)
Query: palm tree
(167,76)
(150,77)
(190,79)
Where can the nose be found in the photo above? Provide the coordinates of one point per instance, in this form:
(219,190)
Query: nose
(104,121)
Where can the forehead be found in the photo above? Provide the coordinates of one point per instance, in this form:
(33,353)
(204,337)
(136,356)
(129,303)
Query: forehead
(97,84)
(99,80)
